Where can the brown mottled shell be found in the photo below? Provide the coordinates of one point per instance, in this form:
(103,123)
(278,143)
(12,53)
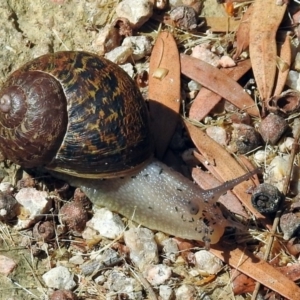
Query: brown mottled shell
(76,113)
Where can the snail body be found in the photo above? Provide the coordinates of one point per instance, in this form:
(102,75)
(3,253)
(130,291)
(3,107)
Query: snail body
(83,118)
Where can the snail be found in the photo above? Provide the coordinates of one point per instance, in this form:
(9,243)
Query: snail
(82,117)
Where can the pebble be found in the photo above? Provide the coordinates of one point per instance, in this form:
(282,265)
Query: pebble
(186,292)
(76,260)
(206,261)
(118,282)
(289,224)
(142,246)
(203,52)
(137,12)
(194,85)
(108,224)
(6,187)
(141,46)
(119,55)
(59,278)
(287,145)
(7,265)
(293,80)
(170,249)
(158,274)
(9,207)
(166,292)
(226,62)
(35,203)
(128,68)
(218,134)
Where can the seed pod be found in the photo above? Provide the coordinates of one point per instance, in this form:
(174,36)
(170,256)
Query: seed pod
(266,198)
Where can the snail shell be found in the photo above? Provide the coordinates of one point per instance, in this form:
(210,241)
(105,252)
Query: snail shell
(75,113)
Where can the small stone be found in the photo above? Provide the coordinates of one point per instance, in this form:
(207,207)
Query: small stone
(206,261)
(6,187)
(289,224)
(186,292)
(34,205)
(170,249)
(203,52)
(218,134)
(108,224)
(226,62)
(128,68)
(141,46)
(59,278)
(137,12)
(272,128)
(158,274)
(261,156)
(118,282)
(143,249)
(166,292)
(119,55)
(194,85)
(287,145)
(76,260)
(7,265)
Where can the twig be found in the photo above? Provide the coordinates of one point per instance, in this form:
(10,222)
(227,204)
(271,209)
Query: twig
(296,130)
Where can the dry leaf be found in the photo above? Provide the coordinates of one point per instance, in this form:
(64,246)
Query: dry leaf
(221,24)
(285,56)
(257,269)
(266,18)
(242,35)
(164,90)
(206,100)
(226,166)
(215,80)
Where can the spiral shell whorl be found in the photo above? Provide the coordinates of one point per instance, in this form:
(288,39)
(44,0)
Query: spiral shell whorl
(31,130)
(106,131)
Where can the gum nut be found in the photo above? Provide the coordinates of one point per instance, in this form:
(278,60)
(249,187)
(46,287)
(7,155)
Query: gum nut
(272,128)
(286,103)
(43,231)
(184,17)
(244,138)
(74,216)
(81,198)
(9,207)
(266,198)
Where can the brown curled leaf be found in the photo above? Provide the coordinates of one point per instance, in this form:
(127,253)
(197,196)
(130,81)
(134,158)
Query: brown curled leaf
(215,80)
(226,167)
(206,99)
(258,269)
(265,21)
(164,90)
(242,34)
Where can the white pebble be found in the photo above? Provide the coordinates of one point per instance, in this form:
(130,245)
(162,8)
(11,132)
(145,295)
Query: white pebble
(186,292)
(137,12)
(226,62)
(158,274)
(119,55)
(287,145)
(165,292)
(170,249)
(194,85)
(143,249)
(261,156)
(108,224)
(293,80)
(76,260)
(206,261)
(7,265)
(6,187)
(218,134)
(35,203)
(128,68)
(118,282)
(203,52)
(59,278)
(141,46)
